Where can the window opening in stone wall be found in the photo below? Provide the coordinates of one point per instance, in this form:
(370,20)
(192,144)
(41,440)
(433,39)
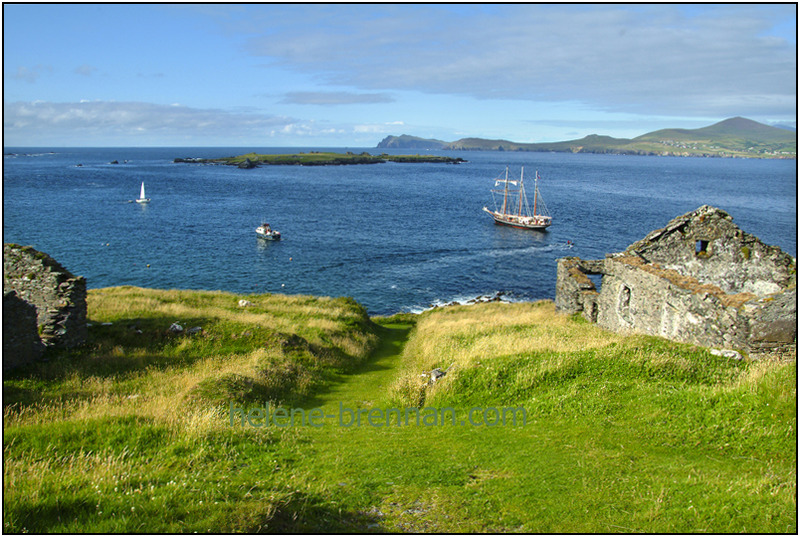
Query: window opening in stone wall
(625,303)
(596,279)
(625,297)
(701,248)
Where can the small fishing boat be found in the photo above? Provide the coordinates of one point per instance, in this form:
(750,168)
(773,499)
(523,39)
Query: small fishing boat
(142,198)
(515,211)
(266,232)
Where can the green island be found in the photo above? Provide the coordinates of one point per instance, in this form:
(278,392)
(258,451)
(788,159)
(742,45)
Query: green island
(317,158)
(146,430)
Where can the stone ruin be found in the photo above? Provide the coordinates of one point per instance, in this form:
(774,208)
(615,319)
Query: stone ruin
(44,305)
(698,280)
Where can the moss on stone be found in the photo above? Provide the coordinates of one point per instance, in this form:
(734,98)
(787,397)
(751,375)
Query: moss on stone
(687,282)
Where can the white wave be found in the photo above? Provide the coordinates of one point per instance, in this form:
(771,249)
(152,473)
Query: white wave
(464,300)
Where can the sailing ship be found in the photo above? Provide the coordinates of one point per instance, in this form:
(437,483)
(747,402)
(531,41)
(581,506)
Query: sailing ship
(142,198)
(266,232)
(515,211)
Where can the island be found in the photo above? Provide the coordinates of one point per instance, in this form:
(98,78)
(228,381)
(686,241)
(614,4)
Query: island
(317,158)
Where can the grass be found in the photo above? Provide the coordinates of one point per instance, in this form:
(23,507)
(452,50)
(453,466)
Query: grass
(622,434)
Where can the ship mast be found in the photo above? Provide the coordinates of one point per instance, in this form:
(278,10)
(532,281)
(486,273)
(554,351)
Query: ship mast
(535,191)
(521,191)
(505,193)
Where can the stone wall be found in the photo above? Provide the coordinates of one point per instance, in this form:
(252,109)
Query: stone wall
(21,343)
(773,323)
(647,300)
(58,296)
(706,245)
(700,280)
(575,292)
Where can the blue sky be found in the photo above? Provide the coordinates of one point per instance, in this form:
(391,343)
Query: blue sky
(347,75)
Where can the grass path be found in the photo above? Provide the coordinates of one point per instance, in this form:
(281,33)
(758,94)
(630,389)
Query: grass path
(570,474)
(357,463)
(395,478)
(364,387)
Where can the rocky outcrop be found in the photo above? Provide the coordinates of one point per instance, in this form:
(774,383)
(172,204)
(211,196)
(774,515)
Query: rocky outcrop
(58,296)
(700,279)
(247,164)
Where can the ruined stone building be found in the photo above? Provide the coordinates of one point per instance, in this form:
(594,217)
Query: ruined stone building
(44,305)
(699,280)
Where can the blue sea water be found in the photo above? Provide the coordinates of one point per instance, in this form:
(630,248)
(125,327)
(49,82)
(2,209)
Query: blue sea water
(396,237)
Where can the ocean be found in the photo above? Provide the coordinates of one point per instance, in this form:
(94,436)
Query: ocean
(396,237)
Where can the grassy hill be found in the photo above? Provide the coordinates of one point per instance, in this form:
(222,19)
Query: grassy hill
(730,128)
(735,137)
(134,432)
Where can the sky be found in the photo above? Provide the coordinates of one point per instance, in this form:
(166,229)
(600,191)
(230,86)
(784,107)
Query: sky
(348,75)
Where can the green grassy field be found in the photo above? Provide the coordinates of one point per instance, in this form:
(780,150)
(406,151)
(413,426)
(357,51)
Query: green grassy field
(133,432)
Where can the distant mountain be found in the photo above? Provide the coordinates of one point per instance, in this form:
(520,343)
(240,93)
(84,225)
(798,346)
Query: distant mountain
(411,142)
(734,137)
(737,127)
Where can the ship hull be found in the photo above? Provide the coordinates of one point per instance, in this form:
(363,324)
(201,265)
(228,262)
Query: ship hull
(536,222)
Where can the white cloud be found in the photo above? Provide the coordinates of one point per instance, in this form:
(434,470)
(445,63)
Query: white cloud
(658,59)
(85,70)
(335,98)
(31,74)
(100,122)
(379,128)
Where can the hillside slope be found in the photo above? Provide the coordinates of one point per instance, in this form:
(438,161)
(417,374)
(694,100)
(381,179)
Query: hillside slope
(542,424)
(734,137)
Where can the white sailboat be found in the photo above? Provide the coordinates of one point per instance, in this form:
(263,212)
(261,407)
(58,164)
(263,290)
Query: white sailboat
(142,198)
(515,211)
